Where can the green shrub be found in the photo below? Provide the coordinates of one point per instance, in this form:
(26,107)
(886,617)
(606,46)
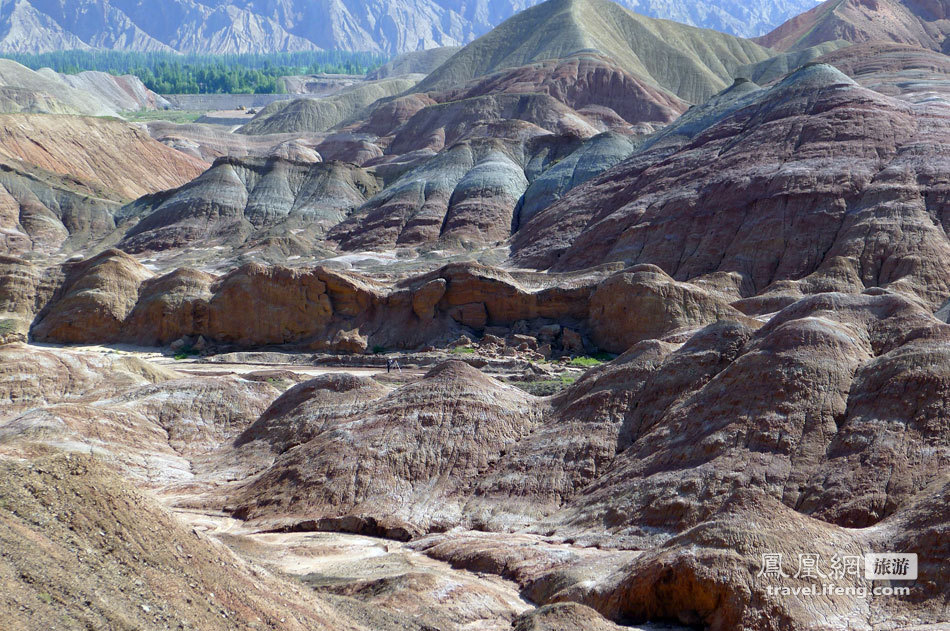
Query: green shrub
(545,387)
(589,361)
(185,352)
(463,350)
(585,362)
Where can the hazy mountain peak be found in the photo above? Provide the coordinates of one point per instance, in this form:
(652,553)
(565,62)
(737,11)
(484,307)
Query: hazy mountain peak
(229,26)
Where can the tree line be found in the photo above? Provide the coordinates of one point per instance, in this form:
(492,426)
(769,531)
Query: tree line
(173,73)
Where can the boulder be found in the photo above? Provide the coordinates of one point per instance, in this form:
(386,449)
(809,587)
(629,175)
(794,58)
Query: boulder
(571,341)
(425,299)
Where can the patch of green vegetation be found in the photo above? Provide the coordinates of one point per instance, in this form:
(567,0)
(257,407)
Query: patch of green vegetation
(463,350)
(379,350)
(172,116)
(7,325)
(545,387)
(589,361)
(46,598)
(185,352)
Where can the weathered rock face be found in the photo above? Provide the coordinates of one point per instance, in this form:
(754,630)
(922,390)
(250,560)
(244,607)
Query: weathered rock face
(125,93)
(210,142)
(113,298)
(253,305)
(310,408)
(95,298)
(644,304)
(899,70)
(595,156)
(159,434)
(563,616)
(242,199)
(85,93)
(439,126)
(35,377)
(19,294)
(382,474)
(346,147)
(474,182)
(44,213)
(577,95)
(806,170)
(708,575)
(691,63)
(571,449)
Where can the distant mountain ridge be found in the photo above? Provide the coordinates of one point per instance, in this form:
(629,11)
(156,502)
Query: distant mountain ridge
(923,23)
(691,63)
(253,26)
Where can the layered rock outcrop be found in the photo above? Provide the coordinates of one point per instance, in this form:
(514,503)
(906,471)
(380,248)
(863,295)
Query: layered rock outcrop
(113,298)
(466,194)
(109,154)
(757,405)
(240,200)
(383,479)
(805,172)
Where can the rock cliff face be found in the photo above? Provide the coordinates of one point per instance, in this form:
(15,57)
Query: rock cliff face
(113,298)
(94,298)
(805,171)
